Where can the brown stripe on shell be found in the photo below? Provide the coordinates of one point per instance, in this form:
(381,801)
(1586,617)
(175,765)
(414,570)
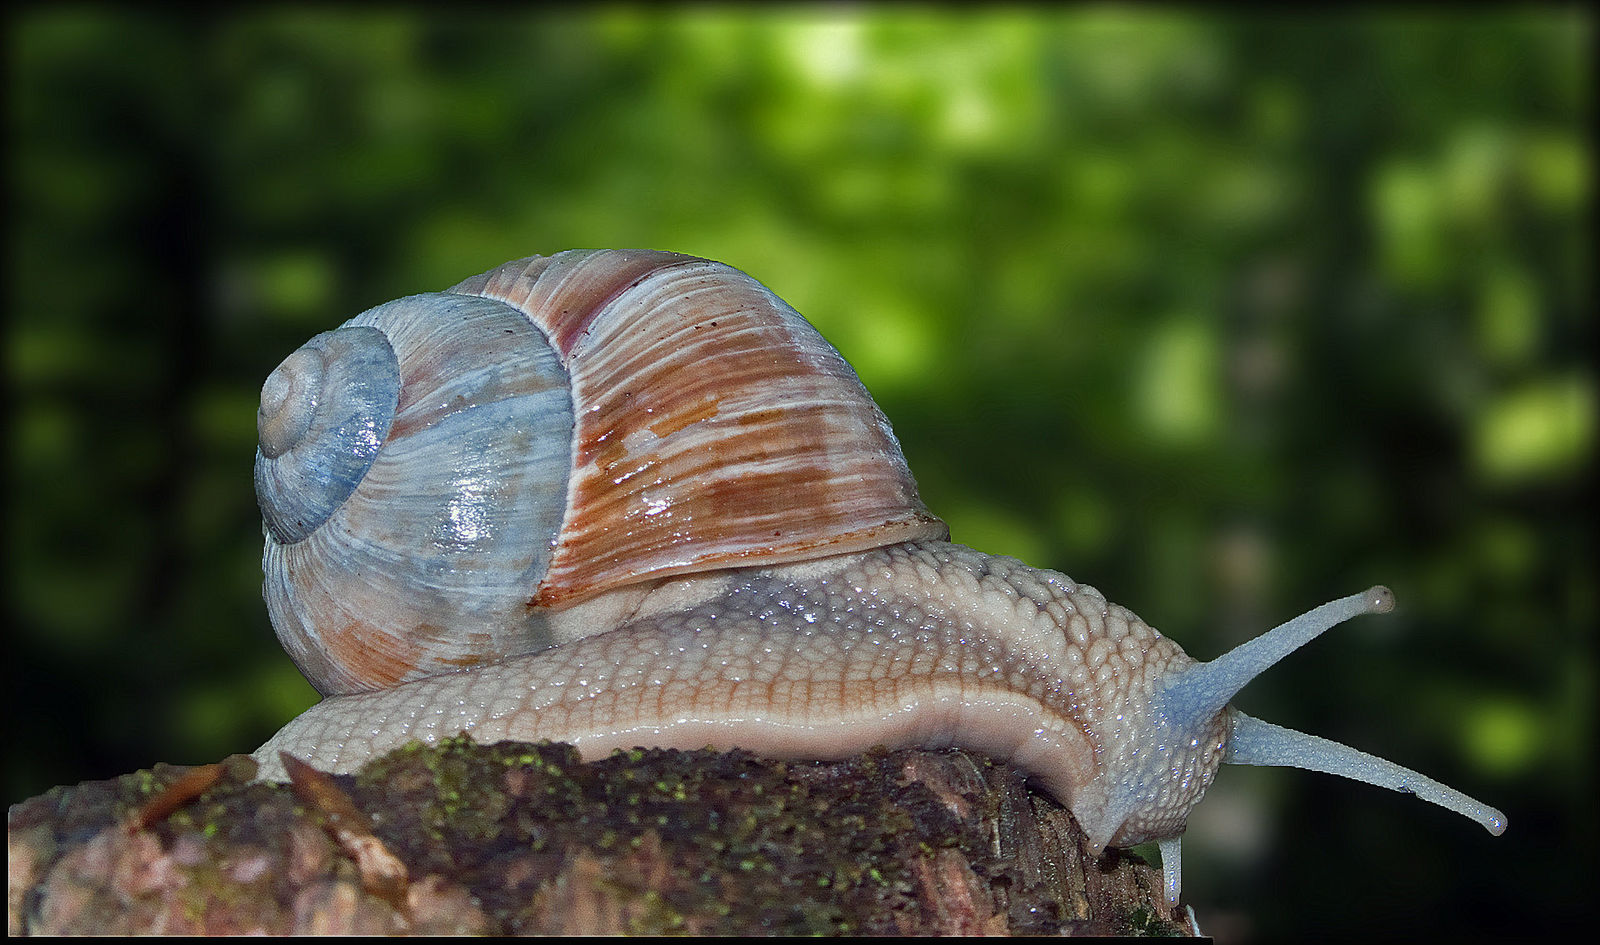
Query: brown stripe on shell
(714,425)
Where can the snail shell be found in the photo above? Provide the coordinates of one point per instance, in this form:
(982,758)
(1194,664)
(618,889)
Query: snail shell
(442,472)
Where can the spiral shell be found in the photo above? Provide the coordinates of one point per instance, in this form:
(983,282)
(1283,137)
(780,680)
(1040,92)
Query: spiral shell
(443,470)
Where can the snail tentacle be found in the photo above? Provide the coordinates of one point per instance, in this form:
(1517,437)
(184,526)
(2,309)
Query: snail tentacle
(1254,742)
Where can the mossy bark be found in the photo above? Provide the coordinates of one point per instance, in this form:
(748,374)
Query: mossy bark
(517,838)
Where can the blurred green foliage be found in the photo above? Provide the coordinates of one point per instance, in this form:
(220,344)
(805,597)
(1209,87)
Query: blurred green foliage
(1227,314)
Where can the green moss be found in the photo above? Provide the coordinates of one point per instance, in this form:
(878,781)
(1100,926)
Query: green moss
(1146,922)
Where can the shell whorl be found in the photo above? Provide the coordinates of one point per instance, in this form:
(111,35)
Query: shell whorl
(324,413)
(443,470)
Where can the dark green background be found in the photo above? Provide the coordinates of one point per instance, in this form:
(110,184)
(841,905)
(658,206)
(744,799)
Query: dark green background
(1225,315)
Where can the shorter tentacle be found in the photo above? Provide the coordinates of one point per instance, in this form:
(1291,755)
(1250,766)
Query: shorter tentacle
(1171,867)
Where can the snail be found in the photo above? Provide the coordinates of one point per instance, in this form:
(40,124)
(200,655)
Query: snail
(632,498)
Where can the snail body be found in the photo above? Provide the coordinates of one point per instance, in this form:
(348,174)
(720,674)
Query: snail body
(629,498)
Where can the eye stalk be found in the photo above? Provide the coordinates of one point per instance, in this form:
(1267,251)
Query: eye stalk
(1193,697)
